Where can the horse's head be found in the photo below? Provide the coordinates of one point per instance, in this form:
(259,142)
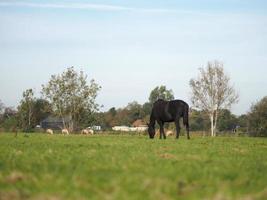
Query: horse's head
(151,131)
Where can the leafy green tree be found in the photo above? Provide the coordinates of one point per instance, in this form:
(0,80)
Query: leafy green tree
(32,111)
(242,122)
(160,92)
(123,117)
(257,118)
(147,107)
(226,120)
(9,119)
(108,119)
(112,111)
(135,111)
(41,110)
(1,107)
(25,110)
(1,111)
(198,121)
(70,94)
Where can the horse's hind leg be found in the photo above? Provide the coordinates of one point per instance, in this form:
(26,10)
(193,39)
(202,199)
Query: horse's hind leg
(177,125)
(187,130)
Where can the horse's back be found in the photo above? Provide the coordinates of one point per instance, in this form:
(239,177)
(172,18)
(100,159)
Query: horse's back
(173,104)
(169,110)
(179,104)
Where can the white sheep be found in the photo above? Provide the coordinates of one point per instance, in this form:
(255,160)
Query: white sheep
(91,131)
(85,132)
(49,131)
(65,131)
(169,132)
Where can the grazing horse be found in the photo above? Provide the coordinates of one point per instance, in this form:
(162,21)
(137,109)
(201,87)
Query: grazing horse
(168,111)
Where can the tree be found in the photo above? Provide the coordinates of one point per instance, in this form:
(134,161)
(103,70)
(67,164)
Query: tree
(32,111)
(25,110)
(9,119)
(160,92)
(107,119)
(135,111)
(211,91)
(41,110)
(227,121)
(70,95)
(1,111)
(243,123)
(198,120)
(257,118)
(147,107)
(1,107)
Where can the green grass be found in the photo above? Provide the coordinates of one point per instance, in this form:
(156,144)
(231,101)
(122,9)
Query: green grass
(131,167)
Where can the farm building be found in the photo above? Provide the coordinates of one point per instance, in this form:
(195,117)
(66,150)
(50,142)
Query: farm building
(138,125)
(121,128)
(54,123)
(95,128)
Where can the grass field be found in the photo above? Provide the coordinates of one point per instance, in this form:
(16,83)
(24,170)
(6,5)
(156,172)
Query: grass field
(40,166)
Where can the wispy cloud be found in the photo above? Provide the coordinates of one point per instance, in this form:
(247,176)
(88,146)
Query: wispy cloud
(83,6)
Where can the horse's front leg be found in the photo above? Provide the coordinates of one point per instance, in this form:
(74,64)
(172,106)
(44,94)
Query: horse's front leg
(162,134)
(177,125)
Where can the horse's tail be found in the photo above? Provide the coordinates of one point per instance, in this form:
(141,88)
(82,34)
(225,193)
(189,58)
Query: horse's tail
(186,119)
(186,116)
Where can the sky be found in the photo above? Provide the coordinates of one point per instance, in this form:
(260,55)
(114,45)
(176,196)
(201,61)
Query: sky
(130,47)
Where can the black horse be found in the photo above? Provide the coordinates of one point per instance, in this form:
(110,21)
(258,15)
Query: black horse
(168,111)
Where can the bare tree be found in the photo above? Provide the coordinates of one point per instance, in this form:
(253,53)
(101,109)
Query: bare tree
(211,91)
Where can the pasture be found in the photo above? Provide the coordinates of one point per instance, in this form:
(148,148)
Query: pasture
(41,166)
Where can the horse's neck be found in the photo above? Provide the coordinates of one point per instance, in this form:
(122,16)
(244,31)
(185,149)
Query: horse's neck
(152,120)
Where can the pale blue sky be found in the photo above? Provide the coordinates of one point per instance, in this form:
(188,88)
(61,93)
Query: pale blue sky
(130,47)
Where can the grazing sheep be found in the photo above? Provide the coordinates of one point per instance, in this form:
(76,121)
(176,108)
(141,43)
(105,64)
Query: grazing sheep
(169,132)
(65,131)
(49,131)
(85,132)
(157,133)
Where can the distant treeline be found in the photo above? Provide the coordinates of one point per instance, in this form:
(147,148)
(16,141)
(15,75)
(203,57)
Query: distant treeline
(69,96)
(253,123)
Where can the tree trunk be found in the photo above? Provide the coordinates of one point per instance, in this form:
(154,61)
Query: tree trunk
(29,118)
(211,124)
(63,119)
(71,125)
(215,122)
